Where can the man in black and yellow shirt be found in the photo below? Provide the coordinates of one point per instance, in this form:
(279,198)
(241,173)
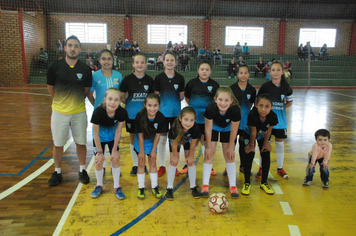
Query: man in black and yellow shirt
(68,82)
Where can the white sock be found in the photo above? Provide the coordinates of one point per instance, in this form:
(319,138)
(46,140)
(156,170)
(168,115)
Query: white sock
(81,168)
(154,179)
(99,177)
(104,165)
(280,154)
(192,173)
(141,180)
(133,155)
(206,173)
(203,150)
(161,147)
(231,173)
(116,176)
(59,170)
(170,175)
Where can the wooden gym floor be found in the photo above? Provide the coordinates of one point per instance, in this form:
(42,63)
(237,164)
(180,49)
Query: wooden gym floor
(28,206)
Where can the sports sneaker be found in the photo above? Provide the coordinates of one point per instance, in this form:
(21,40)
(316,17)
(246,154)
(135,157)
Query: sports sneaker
(259,174)
(325,185)
(234,193)
(196,194)
(141,193)
(177,172)
(213,172)
(157,193)
(146,170)
(225,172)
(282,173)
(169,194)
(205,191)
(84,177)
(97,191)
(267,188)
(55,179)
(161,171)
(184,170)
(133,171)
(307,183)
(246,189)
(119,193)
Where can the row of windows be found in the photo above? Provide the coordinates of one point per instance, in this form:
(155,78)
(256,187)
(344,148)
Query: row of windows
(161,34)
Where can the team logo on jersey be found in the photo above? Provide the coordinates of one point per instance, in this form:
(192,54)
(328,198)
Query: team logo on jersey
(248,96)
(116,81)
(80,76)
(155,125)
(128,125)
(227,120)
(146,87)
(115,121)
(267,125)
(210,88)
(246,141)
(188,135)
(175,86)
(282,97)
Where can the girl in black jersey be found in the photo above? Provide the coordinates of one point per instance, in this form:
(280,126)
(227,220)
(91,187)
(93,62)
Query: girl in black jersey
(149,124)
(222,117)
(186,132)
(108,119)
(260,122)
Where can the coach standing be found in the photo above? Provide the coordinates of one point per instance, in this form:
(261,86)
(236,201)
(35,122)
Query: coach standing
(68,82)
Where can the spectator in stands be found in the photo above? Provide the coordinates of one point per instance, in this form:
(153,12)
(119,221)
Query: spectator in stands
(183,61)
(280,61)
(169,45)
(58,47)
(237,50)
(160,60)
(181,47)
(202,54)
(217,54)
(90,63)
(245,51)
(176,49)
(288,65)
(287,74)
(96,58)
(261,67)
(192,48)
(232,68)
(301,53)
(126,48)
(118,47)
(306,51)
(135,47)
(42,58)
(241,62)
(270,63)
(88,54)
(323,53)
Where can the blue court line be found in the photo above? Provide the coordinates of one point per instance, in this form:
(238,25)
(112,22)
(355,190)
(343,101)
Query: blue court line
(154,207)
(39,157)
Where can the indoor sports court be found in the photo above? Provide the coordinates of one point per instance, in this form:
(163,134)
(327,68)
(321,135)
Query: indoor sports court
(323,97)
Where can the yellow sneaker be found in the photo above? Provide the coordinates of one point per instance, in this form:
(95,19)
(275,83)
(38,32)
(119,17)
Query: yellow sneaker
(246,189)
(267,188)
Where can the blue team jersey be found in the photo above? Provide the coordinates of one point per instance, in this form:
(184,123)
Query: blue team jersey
(137,89)
(245,98)
(102,83)
(222,122)
(280,97)
(200,95)
(261,126)
(169,90)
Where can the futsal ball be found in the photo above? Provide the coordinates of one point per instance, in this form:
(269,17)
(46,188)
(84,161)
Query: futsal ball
(218,202)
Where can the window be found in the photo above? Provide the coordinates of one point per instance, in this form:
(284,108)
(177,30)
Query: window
(317,37)
(88,32)
(253,36)
(162,34)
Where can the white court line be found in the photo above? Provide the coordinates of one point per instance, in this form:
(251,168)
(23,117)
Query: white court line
(286,208)
(294,230)
(33,175)
(277,189)
(343,95)
(257,161)
(70,205)
(352,118)
(38,94)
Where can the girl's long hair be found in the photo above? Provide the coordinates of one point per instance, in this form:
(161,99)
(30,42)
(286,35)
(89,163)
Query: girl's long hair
(284,83)
(177,127)
(146,129)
